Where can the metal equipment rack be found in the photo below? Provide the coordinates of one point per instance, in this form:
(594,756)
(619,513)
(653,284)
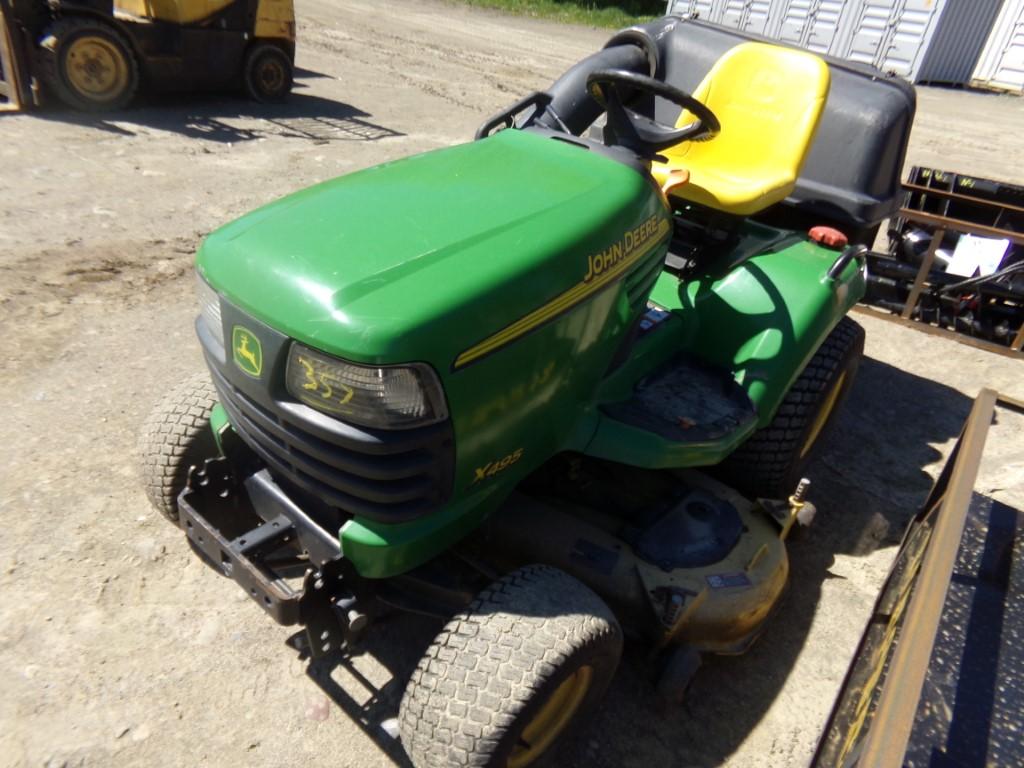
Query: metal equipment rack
(947,205)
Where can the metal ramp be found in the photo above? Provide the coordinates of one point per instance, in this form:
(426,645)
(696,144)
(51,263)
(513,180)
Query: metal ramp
(936,678)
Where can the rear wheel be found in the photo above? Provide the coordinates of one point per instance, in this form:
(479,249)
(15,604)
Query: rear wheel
(88,64)
(770,463)
(504,680)
(267,73)
(175,437)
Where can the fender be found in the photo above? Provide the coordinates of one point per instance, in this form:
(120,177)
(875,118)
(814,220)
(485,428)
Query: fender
(764,320)
(760,321)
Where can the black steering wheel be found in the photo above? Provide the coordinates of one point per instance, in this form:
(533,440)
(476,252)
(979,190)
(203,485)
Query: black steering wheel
(647,137)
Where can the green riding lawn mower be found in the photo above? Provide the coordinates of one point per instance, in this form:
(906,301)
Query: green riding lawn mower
(557,385)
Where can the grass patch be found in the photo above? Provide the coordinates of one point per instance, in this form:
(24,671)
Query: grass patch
(597,13)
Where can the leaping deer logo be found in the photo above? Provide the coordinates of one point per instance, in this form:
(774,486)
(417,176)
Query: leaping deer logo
(248,358)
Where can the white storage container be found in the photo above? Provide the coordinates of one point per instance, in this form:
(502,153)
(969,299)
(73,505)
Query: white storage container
(1002,61)
(922,40)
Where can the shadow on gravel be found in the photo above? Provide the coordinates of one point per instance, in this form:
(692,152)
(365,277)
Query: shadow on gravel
(870,477)
(867,482)
(229,119)
(395,642)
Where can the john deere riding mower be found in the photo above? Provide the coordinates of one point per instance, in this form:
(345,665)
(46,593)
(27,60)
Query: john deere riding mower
(93,54)
(554,386)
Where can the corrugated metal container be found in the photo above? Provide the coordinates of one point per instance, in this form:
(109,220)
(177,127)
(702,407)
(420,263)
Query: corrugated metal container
(791,22)
(811,24)
(709,10)
(934,41)
(892,36)
(1001,64)
(958,41)
(733,12)
(825,25)
(747,15)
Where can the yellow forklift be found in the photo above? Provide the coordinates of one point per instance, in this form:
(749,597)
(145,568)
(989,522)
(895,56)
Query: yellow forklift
(93,54)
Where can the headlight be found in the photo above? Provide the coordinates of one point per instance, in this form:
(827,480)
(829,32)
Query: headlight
(392,397)
(209,308)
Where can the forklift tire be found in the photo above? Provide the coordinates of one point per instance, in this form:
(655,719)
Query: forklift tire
(175,437)
(531,655)
(769,465)
(267,73)
(88,64)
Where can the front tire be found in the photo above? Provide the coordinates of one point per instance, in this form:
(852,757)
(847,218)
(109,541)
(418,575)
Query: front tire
(175,437)
(770,464)
(88,64)
(504,680)
(267,73)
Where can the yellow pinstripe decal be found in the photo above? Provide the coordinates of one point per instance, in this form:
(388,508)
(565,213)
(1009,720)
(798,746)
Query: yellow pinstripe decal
(562,302)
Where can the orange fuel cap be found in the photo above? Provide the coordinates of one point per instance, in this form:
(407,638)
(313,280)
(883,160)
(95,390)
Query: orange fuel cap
(829,237)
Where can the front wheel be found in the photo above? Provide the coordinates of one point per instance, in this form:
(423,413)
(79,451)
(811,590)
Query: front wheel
(770,463)
(175,437)
(267,73)
(504,680)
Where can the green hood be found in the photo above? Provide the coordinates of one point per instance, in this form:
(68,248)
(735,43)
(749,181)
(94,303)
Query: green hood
(414,260)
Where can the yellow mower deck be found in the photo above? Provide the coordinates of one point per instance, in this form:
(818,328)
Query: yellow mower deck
(720,607)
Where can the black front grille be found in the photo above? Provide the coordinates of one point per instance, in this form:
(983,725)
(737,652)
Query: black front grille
(385,475)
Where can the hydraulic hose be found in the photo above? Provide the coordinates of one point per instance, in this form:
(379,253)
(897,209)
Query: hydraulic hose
(983,279)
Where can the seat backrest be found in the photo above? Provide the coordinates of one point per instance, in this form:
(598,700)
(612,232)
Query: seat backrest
(769,100)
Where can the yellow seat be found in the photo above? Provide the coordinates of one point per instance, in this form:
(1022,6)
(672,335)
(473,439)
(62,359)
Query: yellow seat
(768,100)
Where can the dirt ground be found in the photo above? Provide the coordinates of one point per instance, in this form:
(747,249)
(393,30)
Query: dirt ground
(118,647)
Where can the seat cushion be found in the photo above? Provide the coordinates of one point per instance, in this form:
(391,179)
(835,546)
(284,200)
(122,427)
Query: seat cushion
(740,195)
(769,100)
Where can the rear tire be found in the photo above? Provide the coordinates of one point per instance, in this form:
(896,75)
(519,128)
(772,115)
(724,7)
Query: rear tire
(267,73)
(504,680)
(88,64)
(770,463)
(175,437)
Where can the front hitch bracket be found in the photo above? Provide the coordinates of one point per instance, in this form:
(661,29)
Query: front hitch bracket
(254,534)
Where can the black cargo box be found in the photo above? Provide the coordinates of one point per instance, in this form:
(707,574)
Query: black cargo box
(852,177)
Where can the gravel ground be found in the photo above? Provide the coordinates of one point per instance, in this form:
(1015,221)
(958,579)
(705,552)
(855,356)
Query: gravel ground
(118,647)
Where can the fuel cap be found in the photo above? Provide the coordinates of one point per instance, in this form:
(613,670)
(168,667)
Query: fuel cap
(829,237)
